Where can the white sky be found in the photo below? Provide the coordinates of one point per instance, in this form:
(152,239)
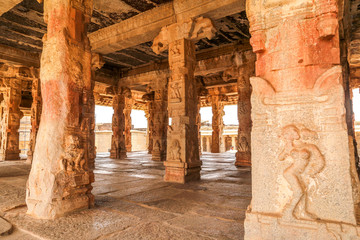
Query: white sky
(104,115)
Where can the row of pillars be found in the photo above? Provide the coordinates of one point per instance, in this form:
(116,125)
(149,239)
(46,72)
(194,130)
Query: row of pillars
(10,116)
(304,180)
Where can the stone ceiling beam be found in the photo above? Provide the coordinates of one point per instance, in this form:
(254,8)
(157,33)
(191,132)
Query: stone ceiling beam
(6,5)
(145,26)
(19,57)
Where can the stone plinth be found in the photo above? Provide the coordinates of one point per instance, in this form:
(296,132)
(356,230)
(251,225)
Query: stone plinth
(61,174)
(304,180)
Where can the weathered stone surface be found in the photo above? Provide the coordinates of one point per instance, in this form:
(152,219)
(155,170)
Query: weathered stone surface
(127,207)
(5,227)
(61,174)
(217,106)
(305,185)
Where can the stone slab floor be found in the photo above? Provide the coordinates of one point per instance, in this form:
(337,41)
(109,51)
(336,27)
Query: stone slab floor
(133,202)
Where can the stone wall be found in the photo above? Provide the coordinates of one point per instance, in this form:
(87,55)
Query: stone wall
(103,141)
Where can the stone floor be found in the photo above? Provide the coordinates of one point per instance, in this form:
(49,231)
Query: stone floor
(132,202)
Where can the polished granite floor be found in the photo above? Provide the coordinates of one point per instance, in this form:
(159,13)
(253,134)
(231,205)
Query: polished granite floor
(133,202)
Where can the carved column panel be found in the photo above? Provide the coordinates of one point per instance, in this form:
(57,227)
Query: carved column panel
(127,112)
(217,105)
(118,146)
(10,118)
(149,114)
(160,120)
(304,181)
(61,174)
(245,71)
(35,117)
(182,160)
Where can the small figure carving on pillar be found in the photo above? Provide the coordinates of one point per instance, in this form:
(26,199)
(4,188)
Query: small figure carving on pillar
(72,158)
(302,174)
(175,154)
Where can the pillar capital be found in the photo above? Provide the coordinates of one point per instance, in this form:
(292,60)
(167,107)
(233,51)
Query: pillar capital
(192,29)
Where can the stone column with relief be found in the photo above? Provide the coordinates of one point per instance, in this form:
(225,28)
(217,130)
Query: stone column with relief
(304,179)
(149,114)
(217,105)
(160,118)
(127,114)
(182,159)
(60,178)
(10,114)
(118,145)
(35,117)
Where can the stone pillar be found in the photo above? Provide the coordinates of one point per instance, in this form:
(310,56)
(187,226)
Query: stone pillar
(233,142)
(304,180)
(127,113)
(11,115)
(60,177)
(182,161)
(245,71)
(149,114)
(217,105)
(35,117)
(118,148)
(160,119)
(208,144)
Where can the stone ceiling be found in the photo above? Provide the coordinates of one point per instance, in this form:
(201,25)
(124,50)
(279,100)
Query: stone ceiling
(23,27)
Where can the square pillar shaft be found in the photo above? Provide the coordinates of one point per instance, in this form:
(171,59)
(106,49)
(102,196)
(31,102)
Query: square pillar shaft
(61,174)
(304,179)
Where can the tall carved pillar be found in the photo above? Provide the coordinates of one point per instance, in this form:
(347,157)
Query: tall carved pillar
(304,180)
(60,177)
(182,160)
(245,69)
(127,113)
(35,117)
(160,119)
(217,145)
(88,121)
(10,118)
(118,146)
(149,114)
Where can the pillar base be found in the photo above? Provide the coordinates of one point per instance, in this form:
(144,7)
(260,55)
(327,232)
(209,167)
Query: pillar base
(78,197)
(115,155)
(178,172)
(57,208)
(10,156)
(243,159)
(265,227)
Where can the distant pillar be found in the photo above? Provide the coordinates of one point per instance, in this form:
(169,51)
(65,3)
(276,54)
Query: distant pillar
(35,117)
(243,154)
(127,113)
(160,119)
(118,149)
(149,114)
(217,145)
(182,160)
(10,118)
